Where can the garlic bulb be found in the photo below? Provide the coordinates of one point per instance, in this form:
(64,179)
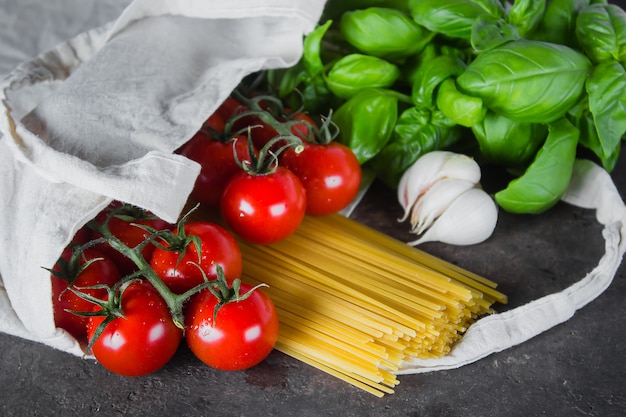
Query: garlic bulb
(441,196)
(470,219)
(435,201)
(430,168)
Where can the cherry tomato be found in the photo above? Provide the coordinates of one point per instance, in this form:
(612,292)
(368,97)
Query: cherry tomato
(261,132)
(304,129)
(141,342)
(213,125)
(242,335)
(218,248)
(100,271)
(331,175)
(264,208)
(217,164)
(130,235)
(229,108)
(83,235)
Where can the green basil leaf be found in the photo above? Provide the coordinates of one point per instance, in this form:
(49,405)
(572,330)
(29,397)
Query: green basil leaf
(460,108)
(311,54)
(526,15)
(453,18)
(547,177)
(589,139)
(384,32)
(601,30)
(528,81)
(355,72)
(489,32)
(417,132)
(286,80)
(333,9)
(508,143)
(606,87)
(366,122)
(430,74)
(559,22)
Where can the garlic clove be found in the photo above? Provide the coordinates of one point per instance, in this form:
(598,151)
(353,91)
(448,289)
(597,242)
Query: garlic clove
(470,219)
(417,178)
(435,201)
(430,168)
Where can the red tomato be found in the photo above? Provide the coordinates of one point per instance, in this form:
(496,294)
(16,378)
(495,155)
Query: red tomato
(242,335)
(130,235)
(214,123)
(261,132)
(83,235)
(102,271)
(264,208)
(303,130)
(229,108)
(218,248)
(141,342)
(217,164)
(331,175)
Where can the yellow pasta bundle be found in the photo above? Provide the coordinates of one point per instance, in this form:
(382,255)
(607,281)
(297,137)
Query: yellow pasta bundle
(355,303)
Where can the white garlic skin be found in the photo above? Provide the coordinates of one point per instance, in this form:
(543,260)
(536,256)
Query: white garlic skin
(435,201)
(441,195)
(470,219)
(430,168)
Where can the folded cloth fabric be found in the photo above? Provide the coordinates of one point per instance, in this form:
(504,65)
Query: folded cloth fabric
(98,117)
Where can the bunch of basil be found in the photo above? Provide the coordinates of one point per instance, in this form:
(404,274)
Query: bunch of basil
(535,83)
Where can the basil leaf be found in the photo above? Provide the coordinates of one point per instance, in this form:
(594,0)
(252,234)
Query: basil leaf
(432,73)
(453,18)
(311,54)
(460,108)
(366,122)
(559,22)
(528,81)
(417,132)
(508,143)
(606,87)
(384,32)
(601,31)
(547,177)
(583,120)
(355,72)
(489,32)
(526,15)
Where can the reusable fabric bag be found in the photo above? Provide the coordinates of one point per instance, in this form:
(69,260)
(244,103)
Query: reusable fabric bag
(98,117)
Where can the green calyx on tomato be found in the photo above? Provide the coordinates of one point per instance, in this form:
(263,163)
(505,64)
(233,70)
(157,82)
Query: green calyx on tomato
(135,335)
(108,307)
(80,268)
(180,241)
(197,249)
(226,292)
(231,328)
(279,132)
(135,254)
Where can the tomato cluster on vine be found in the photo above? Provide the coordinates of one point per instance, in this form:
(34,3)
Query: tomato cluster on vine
(131,287)
(265,166)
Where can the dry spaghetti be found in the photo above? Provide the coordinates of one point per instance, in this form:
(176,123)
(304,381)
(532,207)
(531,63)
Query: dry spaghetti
(356,303)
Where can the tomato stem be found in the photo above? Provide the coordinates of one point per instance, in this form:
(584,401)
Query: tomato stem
(174,301)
